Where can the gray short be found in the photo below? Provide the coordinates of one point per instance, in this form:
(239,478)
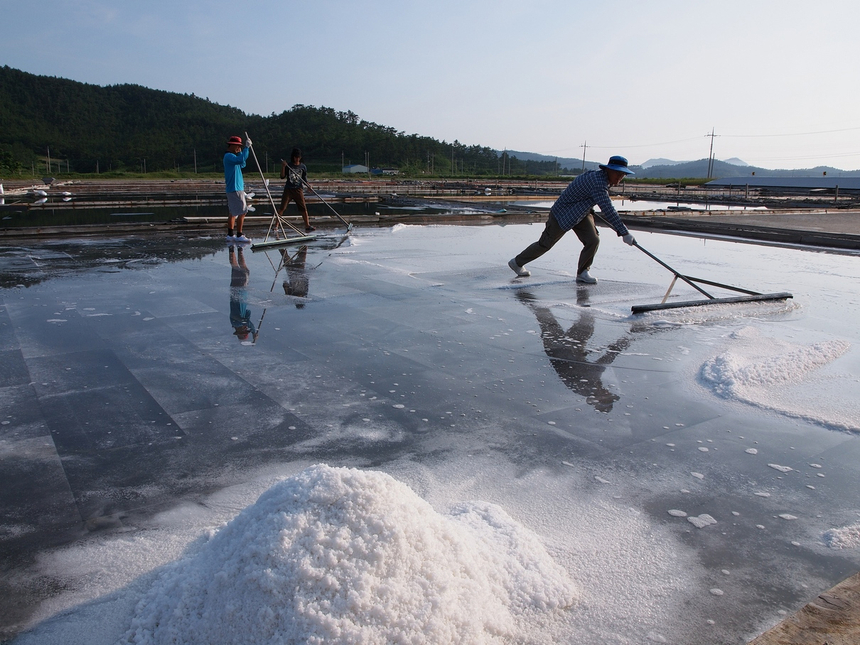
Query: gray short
(236,203)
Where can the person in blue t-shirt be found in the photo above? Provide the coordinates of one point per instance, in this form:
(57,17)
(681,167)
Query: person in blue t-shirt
(574,210)
(234,161)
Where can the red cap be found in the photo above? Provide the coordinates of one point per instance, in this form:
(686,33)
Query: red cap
(234,141)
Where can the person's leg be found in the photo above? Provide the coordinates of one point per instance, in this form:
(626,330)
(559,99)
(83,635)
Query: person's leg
(299,196)
(587,233)
(239,222)
(285,201)
(236,206)
(552,233)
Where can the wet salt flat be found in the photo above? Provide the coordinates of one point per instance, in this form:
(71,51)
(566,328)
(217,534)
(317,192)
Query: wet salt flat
(422,430)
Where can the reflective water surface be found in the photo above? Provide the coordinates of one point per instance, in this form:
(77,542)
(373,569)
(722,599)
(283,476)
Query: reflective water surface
(151,387)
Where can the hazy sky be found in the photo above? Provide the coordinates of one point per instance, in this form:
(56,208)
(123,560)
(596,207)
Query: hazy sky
(777,80)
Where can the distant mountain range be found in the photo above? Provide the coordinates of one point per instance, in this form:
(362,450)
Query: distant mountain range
(669,162)
(667,168)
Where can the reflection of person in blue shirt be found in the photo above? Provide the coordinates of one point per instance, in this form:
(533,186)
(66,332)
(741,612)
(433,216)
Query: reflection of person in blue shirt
(240,314)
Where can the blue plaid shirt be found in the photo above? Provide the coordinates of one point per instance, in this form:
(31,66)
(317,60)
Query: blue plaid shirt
(589,189)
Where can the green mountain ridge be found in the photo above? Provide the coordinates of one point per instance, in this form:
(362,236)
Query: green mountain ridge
(84,128)
(89,128)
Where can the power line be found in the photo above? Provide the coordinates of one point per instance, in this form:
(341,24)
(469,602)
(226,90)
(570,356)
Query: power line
(816,156)
(733,136)
(643,145)
(646,145)
(794,134)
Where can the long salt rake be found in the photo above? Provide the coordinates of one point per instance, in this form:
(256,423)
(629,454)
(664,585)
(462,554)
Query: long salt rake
(750,296)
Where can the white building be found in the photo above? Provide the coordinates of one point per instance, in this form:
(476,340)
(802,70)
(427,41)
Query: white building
(354,169)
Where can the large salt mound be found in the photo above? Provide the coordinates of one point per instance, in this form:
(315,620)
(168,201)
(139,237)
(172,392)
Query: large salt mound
(338,555)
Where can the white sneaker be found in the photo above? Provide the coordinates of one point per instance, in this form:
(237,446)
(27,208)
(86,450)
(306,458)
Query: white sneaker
(521,272)
(585,278)
(241,239)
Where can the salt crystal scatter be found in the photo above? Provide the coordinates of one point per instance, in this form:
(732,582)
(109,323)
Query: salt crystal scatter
(701,521)
(698,475)
(751,451)
(782,469)
(847,537)
(717,592)
(674,512)
(787,516)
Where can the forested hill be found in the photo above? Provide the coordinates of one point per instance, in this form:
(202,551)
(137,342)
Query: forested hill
(133,128)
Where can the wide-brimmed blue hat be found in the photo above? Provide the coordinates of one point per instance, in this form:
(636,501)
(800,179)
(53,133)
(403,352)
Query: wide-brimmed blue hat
(619,164)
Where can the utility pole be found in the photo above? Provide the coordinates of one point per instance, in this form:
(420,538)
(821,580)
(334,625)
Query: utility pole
(584,147)
(195,161)
(711,153)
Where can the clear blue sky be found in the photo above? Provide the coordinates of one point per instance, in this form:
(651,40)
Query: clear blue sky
(777,80)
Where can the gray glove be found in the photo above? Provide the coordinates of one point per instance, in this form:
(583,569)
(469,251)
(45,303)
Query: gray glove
(247,143)
(629,240)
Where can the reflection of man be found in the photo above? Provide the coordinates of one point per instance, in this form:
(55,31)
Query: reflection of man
(296,282)
(240,315)
(569,355)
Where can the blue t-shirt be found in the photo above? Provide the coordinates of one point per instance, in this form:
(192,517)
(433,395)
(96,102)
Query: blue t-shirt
(233,164)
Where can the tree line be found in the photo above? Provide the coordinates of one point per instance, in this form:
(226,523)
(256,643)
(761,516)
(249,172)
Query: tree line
(57,125)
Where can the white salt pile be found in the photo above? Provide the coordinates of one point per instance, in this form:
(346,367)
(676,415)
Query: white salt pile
(336,555)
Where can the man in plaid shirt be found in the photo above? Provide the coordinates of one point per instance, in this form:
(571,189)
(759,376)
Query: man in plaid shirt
(574,210)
